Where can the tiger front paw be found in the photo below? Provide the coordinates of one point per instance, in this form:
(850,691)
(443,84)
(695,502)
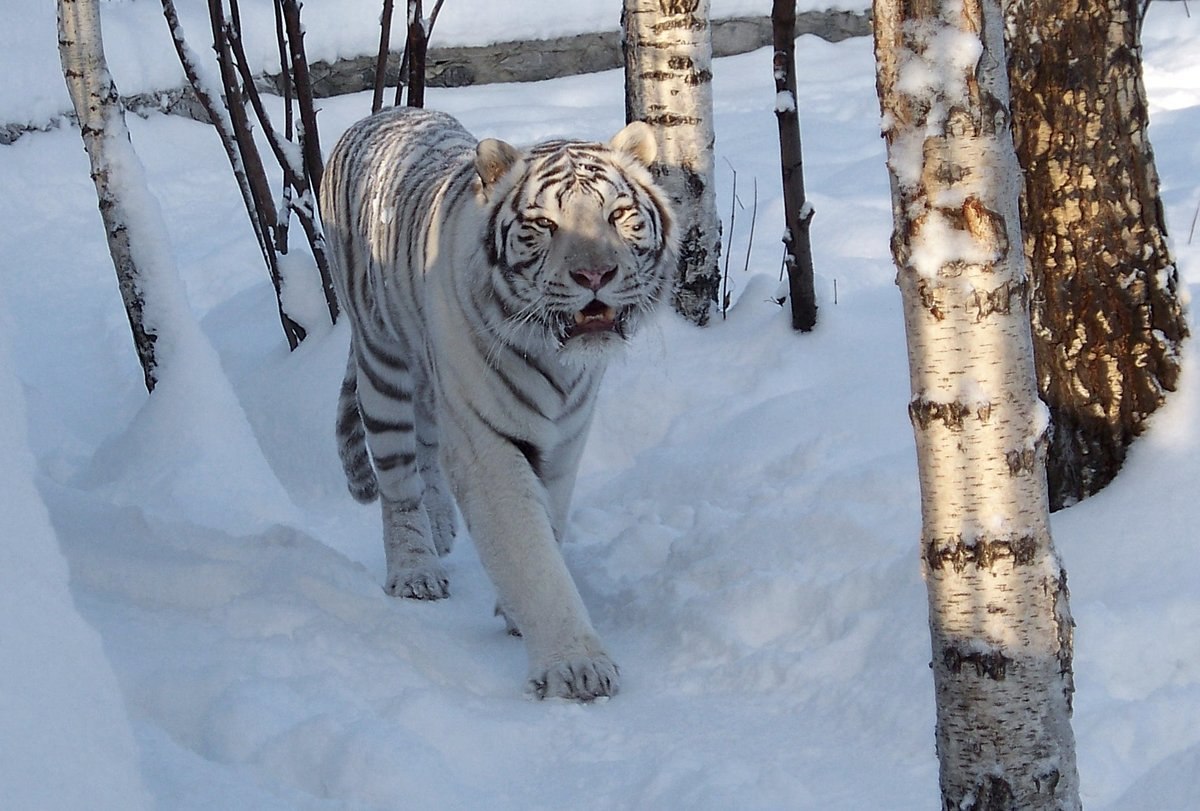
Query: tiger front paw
(578,678)
(428,582)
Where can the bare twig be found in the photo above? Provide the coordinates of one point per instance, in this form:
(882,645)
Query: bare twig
(437,9)
(260,112)
(285,74)
(753,220)
(216,112)
(401,76)
(733,204)
(233,125)
(298,193)
(252,164)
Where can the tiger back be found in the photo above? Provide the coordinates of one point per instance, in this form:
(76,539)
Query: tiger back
(486,287)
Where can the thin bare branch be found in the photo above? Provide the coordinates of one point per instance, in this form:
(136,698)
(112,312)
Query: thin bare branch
(733,204)
(285,73)
(437,9)
(310,145)
(753,221)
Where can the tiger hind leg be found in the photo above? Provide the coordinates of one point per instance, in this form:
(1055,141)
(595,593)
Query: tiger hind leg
(385,401)
(439,502)
(352,440)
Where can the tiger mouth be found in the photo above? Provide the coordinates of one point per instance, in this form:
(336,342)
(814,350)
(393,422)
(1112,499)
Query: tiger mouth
(595,317)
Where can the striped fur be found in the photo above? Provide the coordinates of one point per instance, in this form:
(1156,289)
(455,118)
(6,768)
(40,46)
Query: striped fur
(486,287)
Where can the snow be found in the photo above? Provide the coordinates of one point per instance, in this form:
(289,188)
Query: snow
(59,700)
(143,60)
(192,615)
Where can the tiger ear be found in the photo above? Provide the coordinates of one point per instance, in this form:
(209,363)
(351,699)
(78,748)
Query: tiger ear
(493,159)
(637,139)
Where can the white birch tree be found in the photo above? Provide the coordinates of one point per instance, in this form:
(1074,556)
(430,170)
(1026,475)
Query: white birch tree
(668,84)
(187,374)
(1000,624)
(101,117)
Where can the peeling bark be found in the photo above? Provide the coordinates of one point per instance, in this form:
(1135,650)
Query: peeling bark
(986,664)
(952,415)
(1000,626)
(668,84)
(1107,318)
(958,553)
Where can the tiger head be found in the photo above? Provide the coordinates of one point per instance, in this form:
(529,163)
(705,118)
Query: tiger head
(580,239)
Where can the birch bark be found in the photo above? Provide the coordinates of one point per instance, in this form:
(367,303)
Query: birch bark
(1000,625)
(668,84)
(101,117)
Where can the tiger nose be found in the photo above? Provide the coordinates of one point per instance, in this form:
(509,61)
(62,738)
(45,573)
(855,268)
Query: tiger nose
(593,279)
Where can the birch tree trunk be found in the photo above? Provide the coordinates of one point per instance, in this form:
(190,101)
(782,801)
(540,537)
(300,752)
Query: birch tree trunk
(102,122)
(1108,323)
(668,84)
(1000,624)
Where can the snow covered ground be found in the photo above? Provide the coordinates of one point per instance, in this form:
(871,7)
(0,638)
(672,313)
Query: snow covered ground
(190,606)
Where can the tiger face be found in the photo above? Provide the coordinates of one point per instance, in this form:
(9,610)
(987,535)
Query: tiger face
(580,239)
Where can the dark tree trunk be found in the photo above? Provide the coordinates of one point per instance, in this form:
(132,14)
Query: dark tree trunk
(385,36)
(310,142)
(1107,318)
(797,213)
(418,29)
(418,45)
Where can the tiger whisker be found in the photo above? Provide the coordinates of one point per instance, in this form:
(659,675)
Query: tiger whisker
(509,327)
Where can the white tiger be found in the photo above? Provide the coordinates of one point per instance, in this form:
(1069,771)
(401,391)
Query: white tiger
(486,286)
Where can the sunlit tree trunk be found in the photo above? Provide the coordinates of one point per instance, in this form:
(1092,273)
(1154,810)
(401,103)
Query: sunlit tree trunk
(668,84)
(105,136)
(1107,318)
(1000,624)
